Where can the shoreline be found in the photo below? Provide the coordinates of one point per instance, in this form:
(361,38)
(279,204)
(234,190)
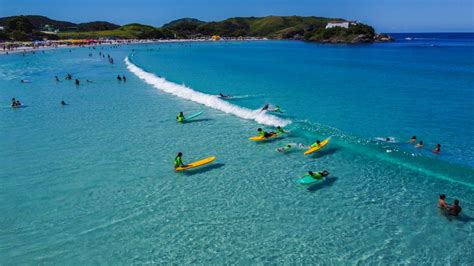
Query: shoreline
(62,44)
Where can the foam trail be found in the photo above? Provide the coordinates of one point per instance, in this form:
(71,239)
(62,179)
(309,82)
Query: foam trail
(205,99)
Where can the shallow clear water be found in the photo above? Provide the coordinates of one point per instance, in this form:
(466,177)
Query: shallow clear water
(93,181)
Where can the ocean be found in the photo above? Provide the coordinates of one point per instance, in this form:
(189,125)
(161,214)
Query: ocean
(93,181)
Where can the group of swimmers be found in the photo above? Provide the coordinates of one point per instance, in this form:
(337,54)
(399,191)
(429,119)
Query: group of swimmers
(121,78)
(453,210)
(15,103)
(420,145)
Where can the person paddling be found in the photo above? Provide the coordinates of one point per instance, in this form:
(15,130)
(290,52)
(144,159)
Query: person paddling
(265,134)
(180,117)
(318,175)
(178,160)
(316,144)
(280,130)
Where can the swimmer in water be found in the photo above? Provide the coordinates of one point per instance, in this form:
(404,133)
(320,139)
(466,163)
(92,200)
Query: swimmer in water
(437,148)
(412,140)
(420,145)
(63,103)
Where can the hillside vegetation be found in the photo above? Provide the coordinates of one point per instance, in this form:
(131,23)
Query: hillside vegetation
(272,27)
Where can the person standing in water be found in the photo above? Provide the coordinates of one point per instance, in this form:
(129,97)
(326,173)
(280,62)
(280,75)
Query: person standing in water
(455,209)
(442,202)
(178,160)
(77,82)
(265,107)
(180,117)
(119,78)
(124,78)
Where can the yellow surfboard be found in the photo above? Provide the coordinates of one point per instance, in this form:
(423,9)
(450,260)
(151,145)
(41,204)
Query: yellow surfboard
(321,145)
(196,164)
(260,138)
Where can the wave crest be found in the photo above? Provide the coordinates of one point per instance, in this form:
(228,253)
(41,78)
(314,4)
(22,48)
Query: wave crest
(205,99)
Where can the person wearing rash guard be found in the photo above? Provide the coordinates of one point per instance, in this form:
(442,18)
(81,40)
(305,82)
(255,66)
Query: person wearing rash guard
(265,134)
(178,161)
(280,130)
(277,109)
(316,144)
(318,175)
(180,117)
(285,148)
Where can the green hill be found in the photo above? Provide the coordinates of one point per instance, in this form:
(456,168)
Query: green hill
(40,21)
(272,27)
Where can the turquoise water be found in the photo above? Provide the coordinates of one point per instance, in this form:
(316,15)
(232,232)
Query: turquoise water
(92,182)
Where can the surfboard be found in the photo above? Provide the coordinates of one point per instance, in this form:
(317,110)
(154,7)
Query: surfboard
(323,143)
(196,164)
(192,116)
(261,138)
(307,179)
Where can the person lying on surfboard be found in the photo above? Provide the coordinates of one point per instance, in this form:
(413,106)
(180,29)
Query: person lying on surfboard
(223,96)
(265,134)
(280,130)
(180,117)
(277,109)
(316,144)
(178,161)
(318,175)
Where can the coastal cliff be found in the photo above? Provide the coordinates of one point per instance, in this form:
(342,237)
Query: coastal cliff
(314,29)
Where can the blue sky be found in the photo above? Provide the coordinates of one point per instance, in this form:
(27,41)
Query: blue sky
(384,15)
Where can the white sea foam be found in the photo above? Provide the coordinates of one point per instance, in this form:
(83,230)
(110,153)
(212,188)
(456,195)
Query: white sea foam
(208,100)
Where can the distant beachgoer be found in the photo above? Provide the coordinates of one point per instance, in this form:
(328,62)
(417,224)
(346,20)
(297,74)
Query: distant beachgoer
(56,78)
(77,82)
(412,140)
(68,76)
(22,81)
(17,103)
(119,78)
(265,107)
(124,78)
(63,103)
(420,145)
(178,160)
(442,202)
(13,104)
(455,209)
(277,109)
(437,148)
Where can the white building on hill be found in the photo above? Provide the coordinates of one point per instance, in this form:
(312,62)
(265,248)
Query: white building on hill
(342,24)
